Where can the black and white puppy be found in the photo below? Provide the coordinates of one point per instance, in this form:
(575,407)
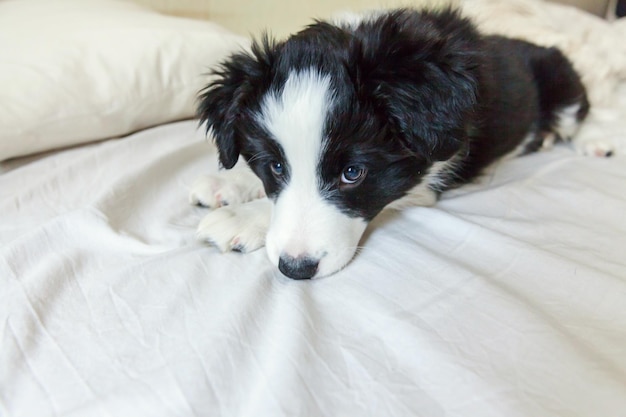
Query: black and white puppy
(341,121)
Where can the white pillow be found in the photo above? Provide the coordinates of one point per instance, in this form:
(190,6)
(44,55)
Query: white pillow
(73,71)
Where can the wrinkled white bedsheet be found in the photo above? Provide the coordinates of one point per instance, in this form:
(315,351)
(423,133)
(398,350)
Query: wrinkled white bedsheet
(508,298)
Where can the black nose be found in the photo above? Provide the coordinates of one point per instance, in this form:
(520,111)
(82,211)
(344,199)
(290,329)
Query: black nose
(301,267)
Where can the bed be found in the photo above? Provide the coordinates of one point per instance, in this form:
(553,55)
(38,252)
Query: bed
(508,298)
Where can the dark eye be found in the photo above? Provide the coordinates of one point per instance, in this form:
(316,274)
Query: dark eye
(353,174)
(277,168)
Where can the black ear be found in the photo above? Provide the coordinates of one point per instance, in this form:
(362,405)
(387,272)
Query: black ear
(419,70)
(223,101)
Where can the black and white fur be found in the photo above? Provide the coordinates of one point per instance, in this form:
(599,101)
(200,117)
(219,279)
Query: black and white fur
(341,121)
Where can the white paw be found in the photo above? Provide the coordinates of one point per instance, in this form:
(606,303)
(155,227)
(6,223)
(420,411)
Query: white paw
(225,188)
(240,228)
(599,148)
(602,134)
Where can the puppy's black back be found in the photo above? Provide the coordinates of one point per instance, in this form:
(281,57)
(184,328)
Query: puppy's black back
(523,89)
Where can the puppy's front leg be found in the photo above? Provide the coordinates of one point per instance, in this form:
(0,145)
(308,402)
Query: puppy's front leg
(227,187)
(240,228)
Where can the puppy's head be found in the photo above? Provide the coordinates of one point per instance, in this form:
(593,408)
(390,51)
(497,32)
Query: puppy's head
(339,122)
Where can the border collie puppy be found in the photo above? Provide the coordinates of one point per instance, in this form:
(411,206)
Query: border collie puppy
(339,122)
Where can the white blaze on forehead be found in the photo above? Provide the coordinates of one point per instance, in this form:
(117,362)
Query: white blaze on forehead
(295,117)
(303,222)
